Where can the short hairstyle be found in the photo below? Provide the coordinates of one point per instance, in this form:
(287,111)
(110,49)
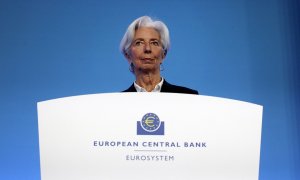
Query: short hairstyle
(145,21)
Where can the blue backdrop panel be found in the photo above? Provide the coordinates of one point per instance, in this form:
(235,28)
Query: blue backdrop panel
(239,49)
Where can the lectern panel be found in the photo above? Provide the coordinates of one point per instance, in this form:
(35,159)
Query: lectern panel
(149,136)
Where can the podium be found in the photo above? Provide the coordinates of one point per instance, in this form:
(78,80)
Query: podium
(133,136)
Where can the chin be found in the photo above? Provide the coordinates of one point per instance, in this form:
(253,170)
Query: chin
(148,69)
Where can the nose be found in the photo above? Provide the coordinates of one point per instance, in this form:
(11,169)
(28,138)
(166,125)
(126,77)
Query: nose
(147,48)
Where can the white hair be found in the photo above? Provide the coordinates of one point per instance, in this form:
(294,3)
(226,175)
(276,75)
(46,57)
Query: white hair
(145,21)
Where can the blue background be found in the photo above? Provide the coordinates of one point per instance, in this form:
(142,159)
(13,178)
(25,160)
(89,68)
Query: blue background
(239,49)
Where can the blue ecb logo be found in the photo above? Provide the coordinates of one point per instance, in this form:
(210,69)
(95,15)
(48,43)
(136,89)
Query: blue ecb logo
(150,125)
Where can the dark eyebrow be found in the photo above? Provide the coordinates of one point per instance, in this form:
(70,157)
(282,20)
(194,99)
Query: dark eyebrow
(140,39)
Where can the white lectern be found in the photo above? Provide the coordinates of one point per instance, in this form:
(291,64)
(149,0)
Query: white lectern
(133,136)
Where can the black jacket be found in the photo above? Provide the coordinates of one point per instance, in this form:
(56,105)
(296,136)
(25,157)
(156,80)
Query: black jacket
(167,87)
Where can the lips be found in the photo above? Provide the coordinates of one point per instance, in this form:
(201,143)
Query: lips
(147,59)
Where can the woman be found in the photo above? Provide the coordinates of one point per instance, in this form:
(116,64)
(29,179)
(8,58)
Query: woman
(145,45)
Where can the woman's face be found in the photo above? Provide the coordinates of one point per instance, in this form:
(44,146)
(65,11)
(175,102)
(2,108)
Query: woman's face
(146,52)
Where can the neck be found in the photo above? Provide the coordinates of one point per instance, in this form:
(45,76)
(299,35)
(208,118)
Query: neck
(148,81)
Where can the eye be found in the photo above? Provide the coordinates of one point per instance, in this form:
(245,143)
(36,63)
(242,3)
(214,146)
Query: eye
(155,43)
(138,43)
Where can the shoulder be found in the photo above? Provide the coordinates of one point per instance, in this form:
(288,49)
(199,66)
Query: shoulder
(167,87)
(130,89)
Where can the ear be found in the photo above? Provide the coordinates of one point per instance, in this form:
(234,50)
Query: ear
(164,54)
(127,56)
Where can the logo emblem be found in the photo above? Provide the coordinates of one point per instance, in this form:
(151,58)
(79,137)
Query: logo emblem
(150,125)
